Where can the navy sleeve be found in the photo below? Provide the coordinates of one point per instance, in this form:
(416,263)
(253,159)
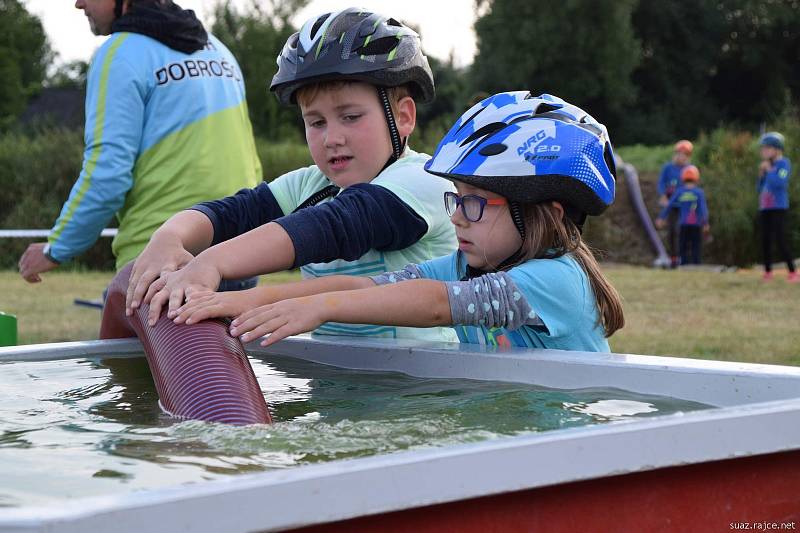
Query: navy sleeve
(238,214)
(360,218)
(662,181)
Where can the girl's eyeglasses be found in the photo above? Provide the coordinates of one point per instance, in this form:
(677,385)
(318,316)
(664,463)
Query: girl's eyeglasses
(471,205)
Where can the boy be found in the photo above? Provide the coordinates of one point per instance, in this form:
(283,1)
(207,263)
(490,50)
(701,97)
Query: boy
(668,183)
(773,201)
(366,207)
(690,203)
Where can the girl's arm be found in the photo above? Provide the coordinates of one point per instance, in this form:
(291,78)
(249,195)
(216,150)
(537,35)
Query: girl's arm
(207,304)
(414,303)
(400,299)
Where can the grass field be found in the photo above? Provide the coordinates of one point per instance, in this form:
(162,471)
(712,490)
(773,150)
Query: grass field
(730,316)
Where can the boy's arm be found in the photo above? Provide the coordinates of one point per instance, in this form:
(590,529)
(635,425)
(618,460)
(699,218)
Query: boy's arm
(189,232)
(263,250)
(703,209)
(360,218)
(662,181)
(171,247)
(242,212)
(669,205)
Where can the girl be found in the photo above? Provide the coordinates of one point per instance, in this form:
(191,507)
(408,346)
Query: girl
(528,170)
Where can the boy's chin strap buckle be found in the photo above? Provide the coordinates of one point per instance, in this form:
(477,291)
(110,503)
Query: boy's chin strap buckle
(398,143)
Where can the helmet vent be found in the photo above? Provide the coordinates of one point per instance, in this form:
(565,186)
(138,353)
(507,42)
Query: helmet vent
(546,108)
(485,131)
(381,46)
(493,149)
(318,23)
(393,22)
(470,119)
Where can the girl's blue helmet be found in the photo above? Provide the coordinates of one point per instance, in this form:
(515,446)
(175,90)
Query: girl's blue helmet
(774,139)
(530,149)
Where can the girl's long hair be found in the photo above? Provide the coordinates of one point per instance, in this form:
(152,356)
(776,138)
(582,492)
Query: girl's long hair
(549,234)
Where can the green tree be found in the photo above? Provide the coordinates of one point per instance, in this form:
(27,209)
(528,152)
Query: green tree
(759,52)
(581,51)
(70,74)
(706,63)
(24,57)
(256,36)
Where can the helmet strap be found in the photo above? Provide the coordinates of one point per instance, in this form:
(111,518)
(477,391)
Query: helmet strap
(519,221)
(398,143)
(118,8)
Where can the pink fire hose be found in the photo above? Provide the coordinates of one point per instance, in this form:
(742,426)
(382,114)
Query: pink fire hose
(200,371)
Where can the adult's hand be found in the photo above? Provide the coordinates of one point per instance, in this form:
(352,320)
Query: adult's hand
(158,259)
(33,262)
(172,288)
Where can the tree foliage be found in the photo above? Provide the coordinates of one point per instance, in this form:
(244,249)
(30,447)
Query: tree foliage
(653,71)
(255,36)
(24,57)
(706,63)
(581,51)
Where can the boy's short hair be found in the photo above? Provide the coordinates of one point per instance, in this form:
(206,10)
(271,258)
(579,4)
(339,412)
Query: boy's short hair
(308,93)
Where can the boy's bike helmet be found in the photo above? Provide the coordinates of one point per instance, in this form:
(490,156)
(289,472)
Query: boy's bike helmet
(353,44)
(530,149)
(690,173)
(774,139)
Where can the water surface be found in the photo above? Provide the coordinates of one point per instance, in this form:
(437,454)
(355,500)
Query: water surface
(78,427)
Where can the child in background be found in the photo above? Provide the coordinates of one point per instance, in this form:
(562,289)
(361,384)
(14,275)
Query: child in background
(528,171)
(668,183)
(773,201)
(366,207)
(689,201)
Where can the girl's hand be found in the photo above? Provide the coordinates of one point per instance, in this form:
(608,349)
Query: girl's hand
(201,305)
(660,223)
(280,320)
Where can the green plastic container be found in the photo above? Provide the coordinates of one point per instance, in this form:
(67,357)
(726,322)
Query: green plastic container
(8,330)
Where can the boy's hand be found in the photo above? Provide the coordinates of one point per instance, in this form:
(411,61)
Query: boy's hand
(764,167)
(280,320)
(660,223)
(662,200)
(157,259)
(172,288)
(201,305)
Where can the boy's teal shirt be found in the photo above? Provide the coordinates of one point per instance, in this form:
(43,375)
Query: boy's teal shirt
(164,130)
(422,192)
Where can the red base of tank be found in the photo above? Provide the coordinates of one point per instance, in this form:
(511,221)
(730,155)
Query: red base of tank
(756,493)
